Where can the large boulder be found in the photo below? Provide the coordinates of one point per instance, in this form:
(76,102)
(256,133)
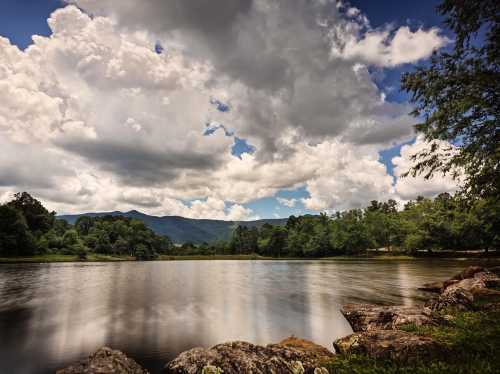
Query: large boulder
(394,345)
(105,361)
(367,317)
(292,356)
(472,286)
(456,299)
(466,290)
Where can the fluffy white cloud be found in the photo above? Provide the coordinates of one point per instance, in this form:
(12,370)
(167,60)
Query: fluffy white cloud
(411,187)
(108,123)
(287,202)
(389,47)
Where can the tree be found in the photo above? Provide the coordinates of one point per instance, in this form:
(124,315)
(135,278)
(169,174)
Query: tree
(458,96)
(15,238)
(143,253)
(38,219)
(83,225)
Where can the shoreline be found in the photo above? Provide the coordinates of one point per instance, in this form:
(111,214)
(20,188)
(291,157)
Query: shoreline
(96,258)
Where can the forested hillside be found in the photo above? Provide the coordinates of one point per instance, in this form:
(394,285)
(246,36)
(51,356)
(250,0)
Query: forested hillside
(184,230)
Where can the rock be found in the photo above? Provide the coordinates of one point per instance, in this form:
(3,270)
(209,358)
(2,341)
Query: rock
(105,361)
(321,371)
(366,317)
(292,356)
(457,299)
(306,346)
(490,279)
(209,369)
(495,270)
(449,282)
(436,287)
(468,272)
(395,345)
(472,285)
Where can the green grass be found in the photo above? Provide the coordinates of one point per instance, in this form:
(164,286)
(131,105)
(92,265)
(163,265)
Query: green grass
(384,257)
(95,257)
(473,339)
(213,257)
(92,257)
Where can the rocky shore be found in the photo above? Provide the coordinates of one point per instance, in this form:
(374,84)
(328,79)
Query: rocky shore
(379,332)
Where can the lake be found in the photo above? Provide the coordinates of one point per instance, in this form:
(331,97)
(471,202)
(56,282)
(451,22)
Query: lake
(54,314)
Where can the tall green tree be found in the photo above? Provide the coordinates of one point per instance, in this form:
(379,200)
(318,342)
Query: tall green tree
(38,218)
(458,97)
(15,237)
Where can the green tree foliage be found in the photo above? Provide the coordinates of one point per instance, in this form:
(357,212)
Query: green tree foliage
(445,223)
(458,97)
(15,237)
(26,228)
(38,219)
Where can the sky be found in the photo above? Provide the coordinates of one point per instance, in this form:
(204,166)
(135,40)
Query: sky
(235,109)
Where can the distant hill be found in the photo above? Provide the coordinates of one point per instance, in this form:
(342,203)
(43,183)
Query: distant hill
(182,230)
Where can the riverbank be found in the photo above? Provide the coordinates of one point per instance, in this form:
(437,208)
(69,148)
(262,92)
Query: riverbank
(381,256)
(456,331)
(48,258)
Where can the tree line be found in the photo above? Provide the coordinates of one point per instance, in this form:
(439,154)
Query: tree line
(444,223)
(27,228)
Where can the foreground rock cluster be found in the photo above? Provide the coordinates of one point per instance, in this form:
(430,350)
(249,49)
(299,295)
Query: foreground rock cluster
(377,334)
(292,355)
(377,331)
(105,361)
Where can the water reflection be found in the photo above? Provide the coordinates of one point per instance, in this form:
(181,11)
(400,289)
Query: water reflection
(53,314)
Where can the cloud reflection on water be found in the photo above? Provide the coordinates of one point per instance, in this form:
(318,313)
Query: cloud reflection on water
(53,314)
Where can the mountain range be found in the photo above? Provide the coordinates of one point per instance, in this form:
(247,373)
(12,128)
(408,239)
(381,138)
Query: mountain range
(181,229)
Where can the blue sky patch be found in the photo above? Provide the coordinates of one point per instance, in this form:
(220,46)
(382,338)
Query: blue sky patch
(221,107)
(241,146)
(387,155)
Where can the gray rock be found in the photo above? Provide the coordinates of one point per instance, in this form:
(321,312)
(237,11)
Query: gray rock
(456,299)
(366,317)
(394,345)
(292,356)
(105,361)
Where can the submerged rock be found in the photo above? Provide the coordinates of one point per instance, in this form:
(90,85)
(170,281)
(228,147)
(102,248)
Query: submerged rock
(366,317)
(395,345)
(105,361)
(291,356)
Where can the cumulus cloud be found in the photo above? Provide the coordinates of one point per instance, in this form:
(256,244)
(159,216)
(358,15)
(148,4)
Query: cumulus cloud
(287,202)
(113,122)
(411,187)
(389,47)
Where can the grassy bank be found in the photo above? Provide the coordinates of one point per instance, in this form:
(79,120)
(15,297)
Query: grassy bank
(63,258)
(113,258)
(473,340)
(95,257)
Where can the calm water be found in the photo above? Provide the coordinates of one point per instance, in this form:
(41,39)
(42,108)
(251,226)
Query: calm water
(54,314)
